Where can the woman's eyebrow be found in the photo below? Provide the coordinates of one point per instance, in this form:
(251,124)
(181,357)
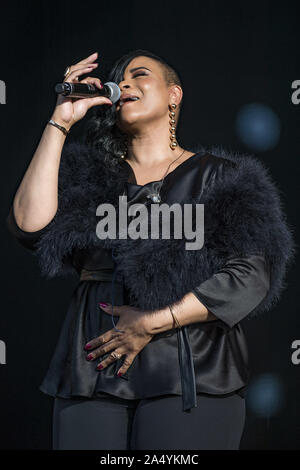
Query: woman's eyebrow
(137,68)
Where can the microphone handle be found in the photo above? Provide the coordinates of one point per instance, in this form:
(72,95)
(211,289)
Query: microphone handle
(81,90)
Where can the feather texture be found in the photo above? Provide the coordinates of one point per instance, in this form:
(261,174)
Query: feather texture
(243,215)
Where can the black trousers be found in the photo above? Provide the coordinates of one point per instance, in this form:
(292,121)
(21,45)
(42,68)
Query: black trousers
(153,423)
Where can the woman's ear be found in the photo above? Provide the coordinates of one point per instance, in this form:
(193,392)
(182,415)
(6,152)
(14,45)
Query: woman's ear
(176,94)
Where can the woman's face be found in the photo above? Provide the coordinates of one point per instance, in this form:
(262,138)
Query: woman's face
(149,85)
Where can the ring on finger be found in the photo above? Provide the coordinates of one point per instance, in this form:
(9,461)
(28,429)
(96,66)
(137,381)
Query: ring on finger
(115,355)
(67,71)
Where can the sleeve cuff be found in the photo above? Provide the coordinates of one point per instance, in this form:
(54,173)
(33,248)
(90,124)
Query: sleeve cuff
(26,239)
(234,291)
(224,322)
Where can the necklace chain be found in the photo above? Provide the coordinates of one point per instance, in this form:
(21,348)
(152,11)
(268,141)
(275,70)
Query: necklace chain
(156,196)
(169,167)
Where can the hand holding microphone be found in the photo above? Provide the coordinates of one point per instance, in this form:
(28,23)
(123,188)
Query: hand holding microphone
(70,108)
(87,90)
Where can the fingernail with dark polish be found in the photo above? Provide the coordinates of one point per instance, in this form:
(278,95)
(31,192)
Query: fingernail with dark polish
(87,346)
(89,357)
(100,367)
(119,374)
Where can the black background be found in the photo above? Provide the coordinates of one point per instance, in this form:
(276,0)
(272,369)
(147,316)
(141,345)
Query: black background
(227,55)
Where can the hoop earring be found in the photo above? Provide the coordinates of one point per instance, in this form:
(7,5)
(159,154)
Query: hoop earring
(172,122)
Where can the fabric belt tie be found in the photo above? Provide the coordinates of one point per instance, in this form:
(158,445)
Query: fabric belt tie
(187,373)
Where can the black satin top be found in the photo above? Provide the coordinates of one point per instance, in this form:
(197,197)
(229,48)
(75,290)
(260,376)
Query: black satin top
(218,348)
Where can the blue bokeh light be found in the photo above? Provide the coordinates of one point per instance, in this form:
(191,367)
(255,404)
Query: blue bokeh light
(258,126)
(265,396)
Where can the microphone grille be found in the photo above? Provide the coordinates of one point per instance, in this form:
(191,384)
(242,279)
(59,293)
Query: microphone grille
(59,88)
(115,91)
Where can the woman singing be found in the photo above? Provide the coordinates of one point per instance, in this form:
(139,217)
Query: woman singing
(151,353)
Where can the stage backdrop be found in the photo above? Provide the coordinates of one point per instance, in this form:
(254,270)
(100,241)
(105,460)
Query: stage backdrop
(241,81)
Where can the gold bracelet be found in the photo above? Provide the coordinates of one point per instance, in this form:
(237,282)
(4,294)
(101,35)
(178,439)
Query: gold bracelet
(61,128)
(175,319)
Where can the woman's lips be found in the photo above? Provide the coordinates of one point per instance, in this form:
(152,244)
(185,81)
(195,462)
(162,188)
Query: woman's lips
(126,102)
(120,106)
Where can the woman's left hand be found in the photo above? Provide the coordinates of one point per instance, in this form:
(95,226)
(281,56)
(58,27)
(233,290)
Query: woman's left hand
(134,324)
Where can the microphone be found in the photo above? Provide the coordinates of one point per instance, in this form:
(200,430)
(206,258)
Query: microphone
(86,90)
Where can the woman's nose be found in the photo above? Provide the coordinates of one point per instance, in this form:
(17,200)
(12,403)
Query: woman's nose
(125,85)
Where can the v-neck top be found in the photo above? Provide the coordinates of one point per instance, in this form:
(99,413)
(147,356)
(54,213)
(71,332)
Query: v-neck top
(218,349)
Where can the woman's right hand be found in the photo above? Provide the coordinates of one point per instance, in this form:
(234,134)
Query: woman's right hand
(70,110)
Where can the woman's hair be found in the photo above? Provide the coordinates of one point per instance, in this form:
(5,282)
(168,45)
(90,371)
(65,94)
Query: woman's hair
(102,132)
